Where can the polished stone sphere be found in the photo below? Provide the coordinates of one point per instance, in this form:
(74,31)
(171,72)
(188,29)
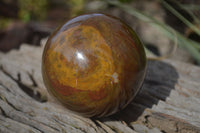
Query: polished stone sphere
(94,64)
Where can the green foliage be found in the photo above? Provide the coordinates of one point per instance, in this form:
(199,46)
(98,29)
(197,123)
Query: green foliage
(193,47)
(183,19)
(190,9)
(125,1)
(4,22)
(77,6)
(32,9)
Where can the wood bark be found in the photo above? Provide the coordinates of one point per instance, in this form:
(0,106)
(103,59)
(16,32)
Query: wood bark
(168,102)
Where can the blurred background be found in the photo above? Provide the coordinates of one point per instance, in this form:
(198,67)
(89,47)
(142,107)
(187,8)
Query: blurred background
(168,28)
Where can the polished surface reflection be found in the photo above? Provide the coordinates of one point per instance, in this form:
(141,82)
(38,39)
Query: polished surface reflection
(94,64)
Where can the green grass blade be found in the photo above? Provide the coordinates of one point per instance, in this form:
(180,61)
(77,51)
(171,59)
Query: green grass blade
(183,19)
(191,46)
(190,7)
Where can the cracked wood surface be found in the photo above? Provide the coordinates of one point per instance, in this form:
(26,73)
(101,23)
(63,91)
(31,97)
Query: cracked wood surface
(167,103)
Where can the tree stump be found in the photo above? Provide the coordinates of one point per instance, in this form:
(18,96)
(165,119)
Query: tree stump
(168,102)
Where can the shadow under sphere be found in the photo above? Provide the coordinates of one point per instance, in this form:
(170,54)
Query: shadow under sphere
(160,80)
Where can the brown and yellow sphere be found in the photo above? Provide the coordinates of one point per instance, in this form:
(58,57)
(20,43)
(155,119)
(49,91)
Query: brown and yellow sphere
(94,64)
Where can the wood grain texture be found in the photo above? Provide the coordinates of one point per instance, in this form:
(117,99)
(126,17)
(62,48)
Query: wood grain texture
(167,103)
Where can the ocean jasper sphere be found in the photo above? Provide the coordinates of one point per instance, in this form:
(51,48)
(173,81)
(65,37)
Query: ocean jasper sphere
(94,64)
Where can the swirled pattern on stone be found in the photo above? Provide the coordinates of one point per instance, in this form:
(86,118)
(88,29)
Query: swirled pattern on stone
(94,65)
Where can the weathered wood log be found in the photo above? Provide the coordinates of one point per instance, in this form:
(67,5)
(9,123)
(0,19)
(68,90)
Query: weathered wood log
(167,103)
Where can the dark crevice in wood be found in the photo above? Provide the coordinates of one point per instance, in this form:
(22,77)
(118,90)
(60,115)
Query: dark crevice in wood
(106,128)
(95,128)
(176,125)
(177,128)
(61,124)
(130,126)
(18,76)
(58,122)
(81,129)
(147,122)
(5,87)
(3,112)
(10,104)
(30,91)
(47,126)
(65,123)
(113,129)
(7,128)
(163,131)
(34,127)
(146,119)
(7,116)
(97,124)
(32,79)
